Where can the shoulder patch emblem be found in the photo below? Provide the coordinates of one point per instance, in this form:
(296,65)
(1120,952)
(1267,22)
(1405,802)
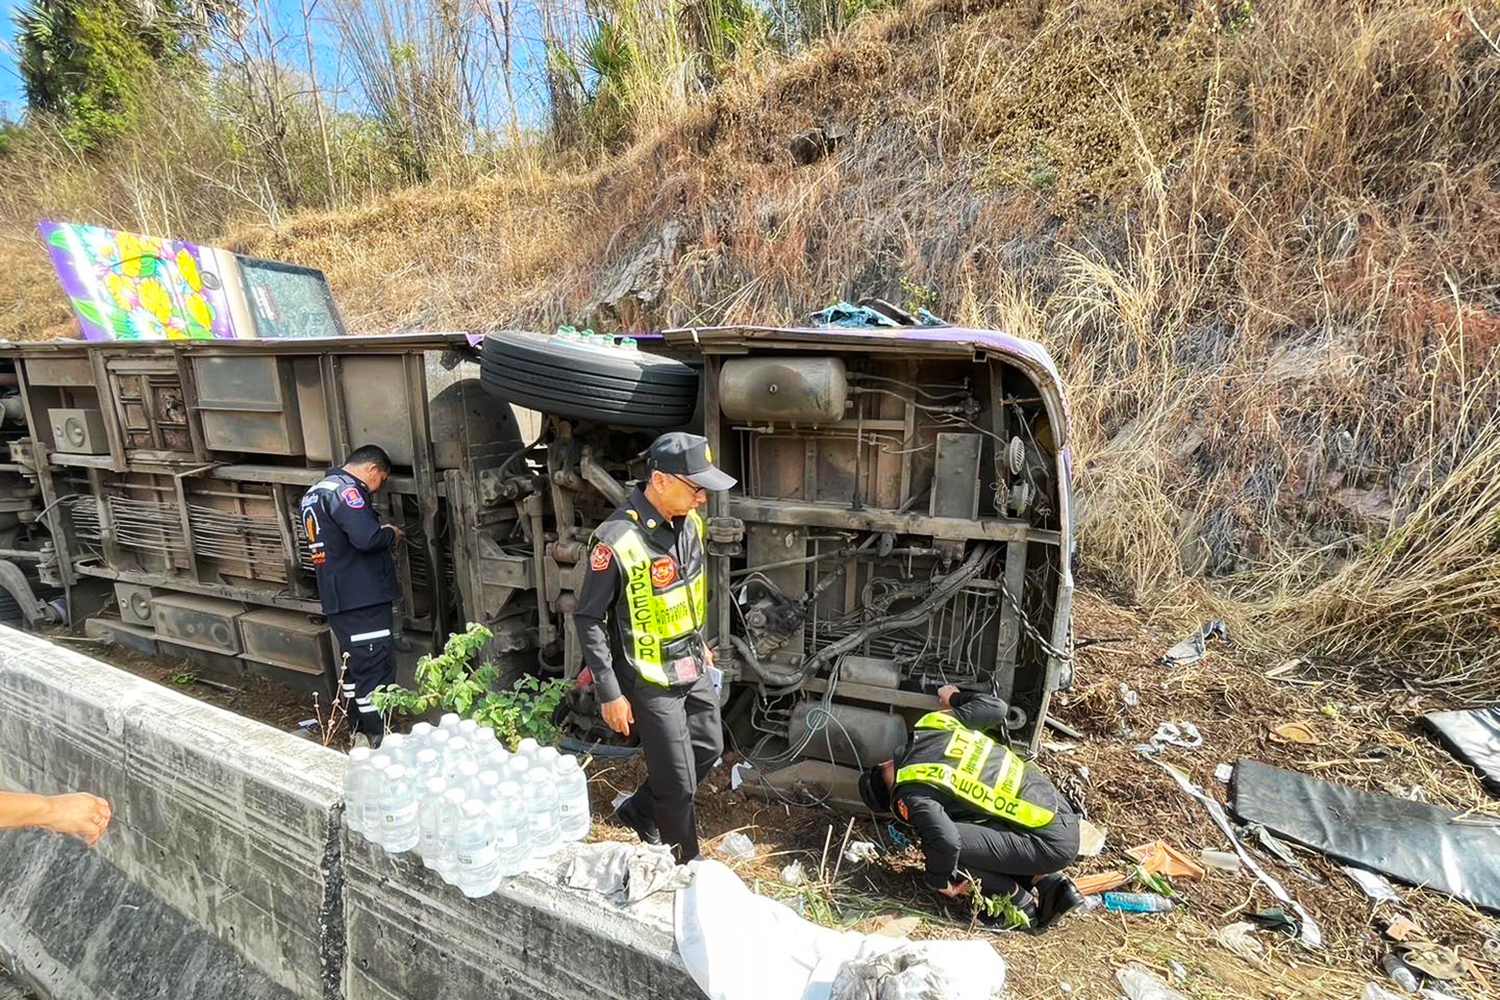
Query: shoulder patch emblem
(352,497)
(663,572)
(901,808)
(601,557)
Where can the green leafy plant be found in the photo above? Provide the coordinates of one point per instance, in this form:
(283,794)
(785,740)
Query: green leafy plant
(527,709)
(450,681)
(999,907)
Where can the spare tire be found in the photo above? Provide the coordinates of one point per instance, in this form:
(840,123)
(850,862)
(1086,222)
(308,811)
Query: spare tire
(569,377)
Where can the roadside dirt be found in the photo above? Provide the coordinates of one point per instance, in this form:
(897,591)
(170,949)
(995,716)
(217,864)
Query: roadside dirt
(1366,738)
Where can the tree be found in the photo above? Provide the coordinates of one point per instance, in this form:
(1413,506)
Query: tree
(92,62)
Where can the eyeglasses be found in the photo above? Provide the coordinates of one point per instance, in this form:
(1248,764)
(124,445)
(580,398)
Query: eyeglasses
(691,485)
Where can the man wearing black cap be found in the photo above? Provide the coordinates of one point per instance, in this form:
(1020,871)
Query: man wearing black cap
(640,616)
(980,811)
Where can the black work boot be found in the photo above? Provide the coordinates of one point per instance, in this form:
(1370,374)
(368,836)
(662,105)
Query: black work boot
(644,828)
(1056,895)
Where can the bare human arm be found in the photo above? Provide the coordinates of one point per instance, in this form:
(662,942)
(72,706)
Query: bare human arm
(77,814)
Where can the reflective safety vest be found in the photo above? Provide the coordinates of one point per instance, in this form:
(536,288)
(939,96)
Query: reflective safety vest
(971,751)
(657,612)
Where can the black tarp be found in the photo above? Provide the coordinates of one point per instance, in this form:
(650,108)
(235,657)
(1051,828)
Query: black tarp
(1412,842)
(1474,738)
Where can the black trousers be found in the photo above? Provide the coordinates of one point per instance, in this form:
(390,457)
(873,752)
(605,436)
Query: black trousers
(1007,860)
(681,737)
(364,635)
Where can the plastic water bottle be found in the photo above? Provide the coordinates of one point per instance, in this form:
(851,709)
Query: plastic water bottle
(476,869)
(499,759)
(398,799)
(1137,902)
(516,769)
(528,747)
(449,721)
(426,765)
(421,732)
(511,831)
(356,793)
(572,799)
(468,729)
(455,752)
(487,785)
(540,798)
(427,819)
(449,811)
(395,747)
(485,741)
(468,778)
(547,757)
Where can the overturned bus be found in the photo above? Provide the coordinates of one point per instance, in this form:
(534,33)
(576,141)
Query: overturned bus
(903,517)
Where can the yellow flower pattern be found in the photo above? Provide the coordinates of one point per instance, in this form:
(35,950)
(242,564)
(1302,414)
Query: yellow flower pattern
(138,287)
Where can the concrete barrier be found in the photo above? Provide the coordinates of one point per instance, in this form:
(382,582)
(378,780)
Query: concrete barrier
(219,819)
(413,937)
(228,872)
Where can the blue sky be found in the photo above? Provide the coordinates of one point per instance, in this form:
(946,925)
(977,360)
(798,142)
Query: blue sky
(288,14)
(12,94)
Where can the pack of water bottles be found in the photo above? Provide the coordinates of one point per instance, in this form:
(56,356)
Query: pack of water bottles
(473,810)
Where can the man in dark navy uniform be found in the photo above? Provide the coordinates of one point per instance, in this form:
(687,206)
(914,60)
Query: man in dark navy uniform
(351,553)
(641,616)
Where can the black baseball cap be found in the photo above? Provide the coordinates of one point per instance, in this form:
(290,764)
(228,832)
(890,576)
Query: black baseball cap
(688,456)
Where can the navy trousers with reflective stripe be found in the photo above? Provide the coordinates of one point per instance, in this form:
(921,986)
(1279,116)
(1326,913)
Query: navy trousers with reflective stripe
(365,634)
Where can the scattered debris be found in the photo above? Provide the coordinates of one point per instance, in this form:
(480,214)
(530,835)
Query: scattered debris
(1402,928)
(1474,738)
(1173,734)
(1137,902)
(1308,933)
(1433,959)
(893,925)
(717,913)
(1412,842)
(1224,773)
(1161,858)
(899,840)
(1284,668)
(737,775)
(1372,885)
(1090,839)
(860,851)
(1195,647)
(627,873)
(1140,983)
(1094,885)
(1374,991)
(794,874)
(1129,696)
(1401,974)
(1240,938)
(1296,732)
(1275,920)
(737,847)
(1223,861)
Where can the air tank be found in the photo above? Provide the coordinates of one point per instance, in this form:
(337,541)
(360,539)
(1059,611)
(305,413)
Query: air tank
(784,390)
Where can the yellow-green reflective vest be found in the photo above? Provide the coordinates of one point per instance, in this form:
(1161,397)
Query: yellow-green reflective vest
(655,615)
(971,751)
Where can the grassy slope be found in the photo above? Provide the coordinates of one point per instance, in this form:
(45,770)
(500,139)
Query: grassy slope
(1264,245)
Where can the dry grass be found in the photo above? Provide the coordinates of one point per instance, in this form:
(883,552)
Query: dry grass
(1263,242)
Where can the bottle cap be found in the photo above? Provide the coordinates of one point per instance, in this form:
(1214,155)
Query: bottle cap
(359,754)
(426,757)
(473,807)
(396,772)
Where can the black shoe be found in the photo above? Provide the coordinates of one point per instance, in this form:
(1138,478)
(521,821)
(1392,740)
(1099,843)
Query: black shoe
(1056,896)
(644,828)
